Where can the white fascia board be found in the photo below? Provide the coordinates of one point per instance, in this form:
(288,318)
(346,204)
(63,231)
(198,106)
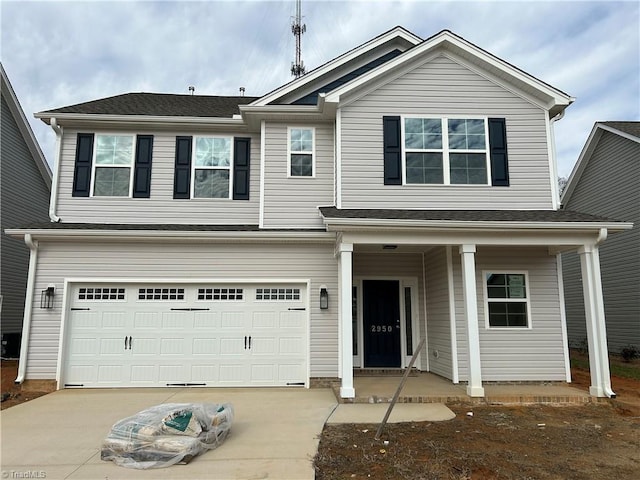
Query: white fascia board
(139,119)
(556,96)
(620,133)
(151,235)
(345,224)
(397,32)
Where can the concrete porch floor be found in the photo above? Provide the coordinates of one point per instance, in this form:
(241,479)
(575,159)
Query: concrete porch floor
(431,388)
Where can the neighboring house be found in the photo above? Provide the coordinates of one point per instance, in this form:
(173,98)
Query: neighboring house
(606,181)
(25,189)
(405,189)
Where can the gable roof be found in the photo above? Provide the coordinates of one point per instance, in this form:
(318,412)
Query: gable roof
(628,130)
(25,129)
(554,100)
(157,104)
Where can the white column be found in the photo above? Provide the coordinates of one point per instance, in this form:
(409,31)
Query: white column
(346,333)
(467,252)
(594,316)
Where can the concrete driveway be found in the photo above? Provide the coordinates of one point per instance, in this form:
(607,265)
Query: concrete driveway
(275,433)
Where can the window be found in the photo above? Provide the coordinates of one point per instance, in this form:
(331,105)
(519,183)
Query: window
(212,167)
(507,300)
(161,294)
(101,293)
(277,294)
(113,165)
(449,151)
(300,156)
(220,293)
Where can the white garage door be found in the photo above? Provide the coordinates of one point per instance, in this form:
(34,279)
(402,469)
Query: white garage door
(200,335)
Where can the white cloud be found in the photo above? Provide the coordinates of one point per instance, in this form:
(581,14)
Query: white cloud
(59,53)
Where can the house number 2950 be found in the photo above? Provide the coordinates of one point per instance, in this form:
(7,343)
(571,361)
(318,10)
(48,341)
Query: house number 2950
(380,328)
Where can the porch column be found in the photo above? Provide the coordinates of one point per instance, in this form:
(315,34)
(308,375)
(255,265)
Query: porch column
(345,261)
(594,316)
(467,252)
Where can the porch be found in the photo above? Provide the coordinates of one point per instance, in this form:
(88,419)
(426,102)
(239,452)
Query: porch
(424,387)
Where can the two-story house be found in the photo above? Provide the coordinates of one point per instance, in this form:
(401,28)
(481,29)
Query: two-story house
(403,190)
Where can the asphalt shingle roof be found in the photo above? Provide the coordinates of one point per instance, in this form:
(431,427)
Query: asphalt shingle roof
(632,128)
(543,216)
(160,104)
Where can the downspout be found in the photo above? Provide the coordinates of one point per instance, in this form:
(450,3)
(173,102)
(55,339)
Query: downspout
(554,174)
(54,184)
(28,306)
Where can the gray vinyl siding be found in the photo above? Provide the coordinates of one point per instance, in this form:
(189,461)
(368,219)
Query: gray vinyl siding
(314,261)
(609,186)
(438,314)
(161,207)
(535,354)
(25,200)
(292,202)
(391,266)
(442,87)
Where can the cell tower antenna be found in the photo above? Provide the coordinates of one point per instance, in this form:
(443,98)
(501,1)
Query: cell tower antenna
(298,28)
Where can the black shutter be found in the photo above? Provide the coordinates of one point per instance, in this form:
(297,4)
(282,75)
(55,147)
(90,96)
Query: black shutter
(142,173)
(82,170)
(498,152)
(182,174)
(392,151)
(241,148)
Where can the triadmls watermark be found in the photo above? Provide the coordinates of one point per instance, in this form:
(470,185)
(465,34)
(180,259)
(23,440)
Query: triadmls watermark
(24,474)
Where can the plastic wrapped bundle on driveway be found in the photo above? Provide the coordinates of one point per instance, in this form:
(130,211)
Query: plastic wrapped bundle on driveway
(167,434)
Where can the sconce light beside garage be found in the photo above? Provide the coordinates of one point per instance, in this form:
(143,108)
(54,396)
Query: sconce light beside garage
(46,297)
(324,298)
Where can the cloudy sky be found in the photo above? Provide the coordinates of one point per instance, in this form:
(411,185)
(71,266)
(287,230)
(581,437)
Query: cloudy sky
(58,53)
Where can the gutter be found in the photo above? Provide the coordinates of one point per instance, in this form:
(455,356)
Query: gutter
(53,203)
(554,159)
(28,307)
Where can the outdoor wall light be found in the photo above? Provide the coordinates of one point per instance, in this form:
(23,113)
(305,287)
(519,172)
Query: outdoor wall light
(324,298)
(46,297)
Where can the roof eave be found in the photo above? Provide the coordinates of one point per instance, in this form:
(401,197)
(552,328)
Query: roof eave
(112,119)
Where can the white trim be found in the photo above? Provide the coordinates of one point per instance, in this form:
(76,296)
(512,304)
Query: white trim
(455,369)
(527,300)
(164,120)
(426,319)
(302,152)
(94,163)
(338,169)
(563,319)
(195,167)
(263,155)
(345,272)
(553,164)
(62,344)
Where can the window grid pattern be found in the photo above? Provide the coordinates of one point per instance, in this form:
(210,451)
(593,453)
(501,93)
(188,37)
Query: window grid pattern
(278,294)
(161,294)
(220,294)
(507,300)
(112,165)
(101,293)
(445,151)
(301,152)
(212,167)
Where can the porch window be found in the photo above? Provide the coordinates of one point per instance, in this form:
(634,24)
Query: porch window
(448,151)
(507,300)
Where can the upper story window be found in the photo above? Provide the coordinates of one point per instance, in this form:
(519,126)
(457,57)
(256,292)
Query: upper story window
(212,167)
(506,300)
(301,155)
(113,165)
(449,151)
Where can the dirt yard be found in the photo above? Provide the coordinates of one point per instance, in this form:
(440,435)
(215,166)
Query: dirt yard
(12,394)
(597,441)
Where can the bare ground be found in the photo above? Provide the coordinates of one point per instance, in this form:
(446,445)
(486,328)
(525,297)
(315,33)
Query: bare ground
(509,442)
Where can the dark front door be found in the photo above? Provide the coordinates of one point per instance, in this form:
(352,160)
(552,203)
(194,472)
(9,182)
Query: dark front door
(381,317)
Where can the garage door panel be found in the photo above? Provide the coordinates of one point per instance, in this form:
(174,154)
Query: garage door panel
(158,335)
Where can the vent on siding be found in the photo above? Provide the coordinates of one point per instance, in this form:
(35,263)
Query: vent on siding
(100,293)
(161,294)
(278,294)
(220,293)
